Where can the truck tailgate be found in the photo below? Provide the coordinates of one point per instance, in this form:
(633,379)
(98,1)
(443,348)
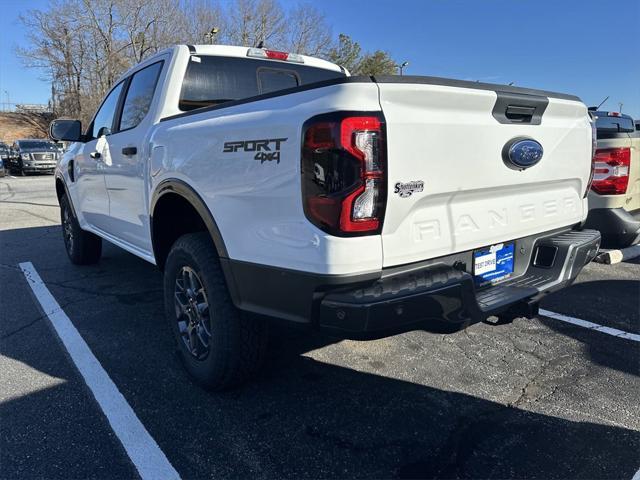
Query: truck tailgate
(451,186)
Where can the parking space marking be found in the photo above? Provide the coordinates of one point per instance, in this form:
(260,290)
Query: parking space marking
(636,476)
(141,448)
(591,326)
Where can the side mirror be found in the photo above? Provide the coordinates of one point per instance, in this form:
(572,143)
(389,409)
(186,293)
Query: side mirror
(67,130)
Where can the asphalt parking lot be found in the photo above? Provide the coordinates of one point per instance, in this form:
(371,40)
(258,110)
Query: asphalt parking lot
(536,398)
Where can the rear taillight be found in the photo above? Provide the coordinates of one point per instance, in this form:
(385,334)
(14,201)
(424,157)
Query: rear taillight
(611,171)
(344,173)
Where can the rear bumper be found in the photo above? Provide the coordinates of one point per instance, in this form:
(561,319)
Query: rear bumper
(619,228)
(442,289)
(443,293)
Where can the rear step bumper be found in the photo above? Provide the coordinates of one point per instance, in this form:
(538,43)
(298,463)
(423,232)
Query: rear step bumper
(444,293)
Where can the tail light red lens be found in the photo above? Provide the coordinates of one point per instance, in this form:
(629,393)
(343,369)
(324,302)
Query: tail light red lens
(611,171)
(275,55)
(343,173)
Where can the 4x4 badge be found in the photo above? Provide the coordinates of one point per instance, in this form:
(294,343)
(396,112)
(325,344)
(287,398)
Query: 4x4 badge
(263,148)
(409,188)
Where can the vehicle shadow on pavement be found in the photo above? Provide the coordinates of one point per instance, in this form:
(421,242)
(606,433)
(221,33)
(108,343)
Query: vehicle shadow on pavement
(302,418)
(611,303)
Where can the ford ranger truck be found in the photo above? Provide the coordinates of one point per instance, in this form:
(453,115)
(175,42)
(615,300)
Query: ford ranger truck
(270,185)
(614,199)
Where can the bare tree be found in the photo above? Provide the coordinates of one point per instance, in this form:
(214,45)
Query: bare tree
(197,18)
(84,46)
(254,22)
(57,48)
(308,31)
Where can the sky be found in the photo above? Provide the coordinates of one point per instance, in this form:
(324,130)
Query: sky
(587,48)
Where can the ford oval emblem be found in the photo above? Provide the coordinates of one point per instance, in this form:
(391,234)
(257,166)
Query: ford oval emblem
(521,153)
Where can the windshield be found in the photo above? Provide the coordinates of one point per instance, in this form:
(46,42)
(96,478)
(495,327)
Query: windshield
(33,144)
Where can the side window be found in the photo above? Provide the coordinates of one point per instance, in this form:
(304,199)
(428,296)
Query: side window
(103,120)
(139,96)
(274,80)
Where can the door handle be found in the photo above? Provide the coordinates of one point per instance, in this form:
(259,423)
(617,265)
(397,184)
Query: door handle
(129,151)
(94,154)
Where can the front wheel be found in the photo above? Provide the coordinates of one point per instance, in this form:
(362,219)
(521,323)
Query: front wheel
(220,346)
(83,248)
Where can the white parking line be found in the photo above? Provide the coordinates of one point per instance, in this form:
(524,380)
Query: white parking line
(636,476)
(141,448)
(591,326)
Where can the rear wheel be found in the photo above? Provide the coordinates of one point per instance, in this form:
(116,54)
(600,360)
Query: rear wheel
(220,346)
(83,248)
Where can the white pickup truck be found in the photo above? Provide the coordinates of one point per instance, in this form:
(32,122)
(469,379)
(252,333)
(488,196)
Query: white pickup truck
(273,185)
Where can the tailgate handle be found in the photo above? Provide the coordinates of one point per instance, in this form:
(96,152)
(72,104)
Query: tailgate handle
(516,107)
(519,113)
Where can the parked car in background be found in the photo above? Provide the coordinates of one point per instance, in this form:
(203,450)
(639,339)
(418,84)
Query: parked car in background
(34,156)
(5,155)
(614,199)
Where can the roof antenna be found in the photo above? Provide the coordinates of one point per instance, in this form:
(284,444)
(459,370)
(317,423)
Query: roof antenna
(602,103)
(261,45)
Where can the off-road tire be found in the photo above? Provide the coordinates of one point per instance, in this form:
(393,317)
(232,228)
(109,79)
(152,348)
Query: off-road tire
(83,248)
(238,341)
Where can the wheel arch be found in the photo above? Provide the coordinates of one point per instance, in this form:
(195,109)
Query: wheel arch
(174,194)
(61,189)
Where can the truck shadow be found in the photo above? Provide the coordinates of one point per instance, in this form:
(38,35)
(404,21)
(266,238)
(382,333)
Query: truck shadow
(611,303)
(302,419)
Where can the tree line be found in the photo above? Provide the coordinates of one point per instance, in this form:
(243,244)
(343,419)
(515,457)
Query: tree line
(83,46)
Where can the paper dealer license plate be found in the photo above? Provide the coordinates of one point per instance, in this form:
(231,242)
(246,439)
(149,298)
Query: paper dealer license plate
(493,264)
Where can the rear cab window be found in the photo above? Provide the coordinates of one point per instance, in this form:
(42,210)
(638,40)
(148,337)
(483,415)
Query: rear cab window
(608,125)
(214,80)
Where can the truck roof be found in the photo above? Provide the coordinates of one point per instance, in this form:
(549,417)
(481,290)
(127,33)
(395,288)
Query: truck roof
(232,51)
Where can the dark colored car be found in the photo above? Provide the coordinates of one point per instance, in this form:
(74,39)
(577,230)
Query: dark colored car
(34,156)
(5,155)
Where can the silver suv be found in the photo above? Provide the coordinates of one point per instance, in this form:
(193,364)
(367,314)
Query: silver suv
(34,156)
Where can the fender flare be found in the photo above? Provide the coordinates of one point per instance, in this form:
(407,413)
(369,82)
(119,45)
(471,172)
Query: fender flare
(183,189)
(60,178)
